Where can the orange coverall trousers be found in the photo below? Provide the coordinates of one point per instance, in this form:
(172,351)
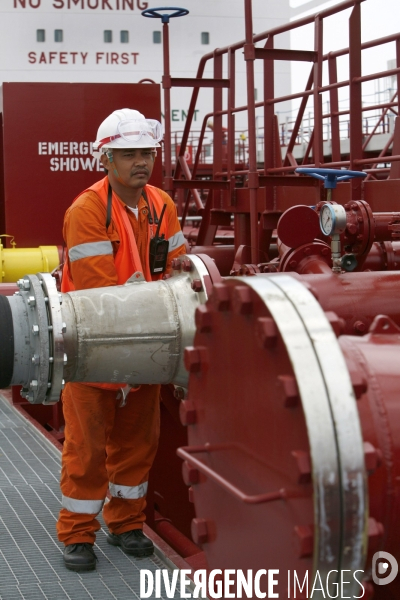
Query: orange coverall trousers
(106,444)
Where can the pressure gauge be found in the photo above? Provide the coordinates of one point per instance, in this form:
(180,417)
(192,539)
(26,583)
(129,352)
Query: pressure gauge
(332,219)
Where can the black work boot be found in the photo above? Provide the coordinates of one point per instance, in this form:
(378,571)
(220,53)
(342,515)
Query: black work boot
(132,542)
(80,557)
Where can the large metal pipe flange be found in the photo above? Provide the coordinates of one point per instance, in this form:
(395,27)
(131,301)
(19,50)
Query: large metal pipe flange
(38,341)
(268,437)
(57,329)
(345,420)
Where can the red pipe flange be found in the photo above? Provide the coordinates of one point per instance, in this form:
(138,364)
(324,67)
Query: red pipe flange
(265,430)
(295,442)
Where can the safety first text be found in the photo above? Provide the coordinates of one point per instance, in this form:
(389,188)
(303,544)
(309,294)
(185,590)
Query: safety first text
(83,58)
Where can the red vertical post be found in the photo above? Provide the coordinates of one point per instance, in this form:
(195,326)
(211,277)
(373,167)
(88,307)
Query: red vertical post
(269,113)
(231,116)
(355,96)
(230,163)
(318,134)
(168,184)
(334,109)
(398,74)
(217,126)
(249,56)
(217,130)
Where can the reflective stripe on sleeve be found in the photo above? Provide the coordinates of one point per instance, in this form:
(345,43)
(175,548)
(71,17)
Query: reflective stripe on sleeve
(128,492)
(87,507)
(175,241)
(90,249)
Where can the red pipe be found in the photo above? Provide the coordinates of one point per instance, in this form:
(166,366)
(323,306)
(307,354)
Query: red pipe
(8,289)
(223,256)
(374,362)
(179,542)
(356,297)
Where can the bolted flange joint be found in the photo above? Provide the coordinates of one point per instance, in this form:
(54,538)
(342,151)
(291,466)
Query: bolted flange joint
(187,413)
(199,531)
(196,358)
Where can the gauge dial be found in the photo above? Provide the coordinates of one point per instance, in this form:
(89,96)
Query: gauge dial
(332,219)
(326,219)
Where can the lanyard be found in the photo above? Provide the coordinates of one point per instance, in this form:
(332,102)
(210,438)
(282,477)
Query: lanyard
(109,209)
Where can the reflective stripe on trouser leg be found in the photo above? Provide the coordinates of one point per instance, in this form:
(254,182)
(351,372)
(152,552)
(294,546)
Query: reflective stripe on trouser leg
(133,492)
(88,507)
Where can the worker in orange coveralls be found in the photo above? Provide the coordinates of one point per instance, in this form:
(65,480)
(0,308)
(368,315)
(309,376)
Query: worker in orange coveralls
(110,447)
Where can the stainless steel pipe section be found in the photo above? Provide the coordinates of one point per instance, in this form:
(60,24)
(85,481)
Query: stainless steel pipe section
(129,334)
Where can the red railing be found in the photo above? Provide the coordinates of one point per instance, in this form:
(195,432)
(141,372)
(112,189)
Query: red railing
(262,166)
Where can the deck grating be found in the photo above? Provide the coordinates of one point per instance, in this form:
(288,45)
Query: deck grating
(31,565)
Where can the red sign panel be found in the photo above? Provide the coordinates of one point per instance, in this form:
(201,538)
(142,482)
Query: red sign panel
(48,129)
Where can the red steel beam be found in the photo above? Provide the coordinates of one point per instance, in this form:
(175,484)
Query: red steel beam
(379,75)
(377,159)
(398,74)
(288,180)
(278,54)
(355,95)
(334,108)
(318,151)
(269,114)
(230,166)
(168,186)
(253,174)
(217,125)
(198,82)
(201,184)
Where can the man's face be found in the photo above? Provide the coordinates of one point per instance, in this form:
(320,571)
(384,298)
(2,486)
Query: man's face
(134,165)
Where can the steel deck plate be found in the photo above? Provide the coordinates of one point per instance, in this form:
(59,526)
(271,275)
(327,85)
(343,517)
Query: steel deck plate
(31,564)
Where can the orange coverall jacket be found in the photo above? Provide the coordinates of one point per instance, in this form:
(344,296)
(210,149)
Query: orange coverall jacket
(108,447)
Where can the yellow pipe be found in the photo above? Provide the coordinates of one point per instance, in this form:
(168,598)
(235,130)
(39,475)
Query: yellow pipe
(17,262)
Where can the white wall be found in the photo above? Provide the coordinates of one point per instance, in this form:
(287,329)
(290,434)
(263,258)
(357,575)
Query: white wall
(21,54)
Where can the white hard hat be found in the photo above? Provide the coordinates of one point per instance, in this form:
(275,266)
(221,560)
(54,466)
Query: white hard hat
(127,128)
